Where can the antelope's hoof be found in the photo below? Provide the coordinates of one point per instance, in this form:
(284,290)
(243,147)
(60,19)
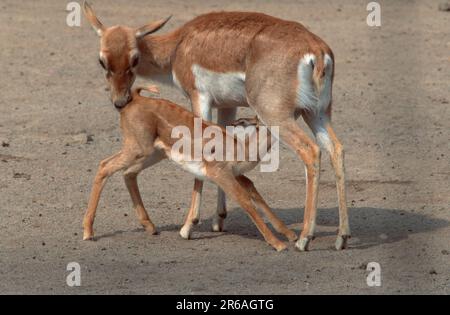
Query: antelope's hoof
(341,242)
(303,243)
(217,225)
(185,232)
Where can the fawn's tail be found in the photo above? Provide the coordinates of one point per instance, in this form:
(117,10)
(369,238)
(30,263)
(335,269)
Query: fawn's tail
(151,88)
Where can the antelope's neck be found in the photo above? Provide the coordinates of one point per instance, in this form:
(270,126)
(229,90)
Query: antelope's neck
(157,51)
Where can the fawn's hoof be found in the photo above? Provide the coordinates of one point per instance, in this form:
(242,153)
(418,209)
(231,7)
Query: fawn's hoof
(149,227)
(303,243)
(88,237)
(279,247)
(291,235)
(341,242)
(151,230)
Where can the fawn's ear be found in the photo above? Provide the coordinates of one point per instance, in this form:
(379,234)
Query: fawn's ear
(151,28)
(92,18)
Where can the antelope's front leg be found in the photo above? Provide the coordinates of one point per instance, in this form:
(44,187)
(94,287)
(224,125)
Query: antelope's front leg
(201,106)
(107,168)
(225,116)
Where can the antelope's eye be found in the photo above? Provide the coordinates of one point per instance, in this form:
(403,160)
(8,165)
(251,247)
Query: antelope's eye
(102,64)
(135,62)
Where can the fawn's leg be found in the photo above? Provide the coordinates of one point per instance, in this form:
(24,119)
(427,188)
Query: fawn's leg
(192,216)
(107,168)
(279,226)
(133,189)
(130,177)
(233,188)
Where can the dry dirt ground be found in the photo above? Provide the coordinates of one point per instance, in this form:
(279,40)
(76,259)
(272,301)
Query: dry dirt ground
(391,109)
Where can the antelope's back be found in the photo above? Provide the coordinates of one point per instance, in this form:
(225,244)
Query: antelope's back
(224,40)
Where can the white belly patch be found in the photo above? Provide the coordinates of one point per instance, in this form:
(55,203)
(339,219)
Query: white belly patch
(197,168)
(221,87)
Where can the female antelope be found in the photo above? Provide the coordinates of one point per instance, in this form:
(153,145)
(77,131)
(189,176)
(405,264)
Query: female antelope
(225,60)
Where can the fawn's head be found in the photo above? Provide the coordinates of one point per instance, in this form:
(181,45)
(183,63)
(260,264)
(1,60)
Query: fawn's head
(119,54)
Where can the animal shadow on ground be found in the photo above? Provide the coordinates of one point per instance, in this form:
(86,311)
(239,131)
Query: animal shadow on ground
(370,226)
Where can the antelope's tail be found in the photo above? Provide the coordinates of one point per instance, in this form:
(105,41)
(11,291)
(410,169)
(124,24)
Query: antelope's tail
(315,73)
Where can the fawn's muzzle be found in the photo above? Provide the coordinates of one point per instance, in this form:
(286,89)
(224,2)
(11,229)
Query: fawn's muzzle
(122,101)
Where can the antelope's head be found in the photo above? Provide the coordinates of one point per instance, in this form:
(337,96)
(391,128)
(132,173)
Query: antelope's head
(119,54)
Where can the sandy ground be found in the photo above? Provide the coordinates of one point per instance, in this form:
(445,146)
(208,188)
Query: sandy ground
(391,110)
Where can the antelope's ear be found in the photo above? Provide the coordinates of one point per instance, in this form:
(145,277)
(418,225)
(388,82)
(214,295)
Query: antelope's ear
(92,18)
(151,28)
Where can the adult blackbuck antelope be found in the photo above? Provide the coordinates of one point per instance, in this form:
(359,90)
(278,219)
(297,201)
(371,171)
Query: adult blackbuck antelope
(225,60)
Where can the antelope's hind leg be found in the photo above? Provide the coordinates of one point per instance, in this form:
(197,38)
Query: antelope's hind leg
(327,139)
(309,152)
(275,109)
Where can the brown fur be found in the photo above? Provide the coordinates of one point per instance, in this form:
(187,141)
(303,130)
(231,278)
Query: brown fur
(146,126)
(267,50)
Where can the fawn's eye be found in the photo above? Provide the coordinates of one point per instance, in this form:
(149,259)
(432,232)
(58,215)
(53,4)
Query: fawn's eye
(102,64)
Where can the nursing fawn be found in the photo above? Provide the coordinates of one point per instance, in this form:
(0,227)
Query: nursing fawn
(147,126)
